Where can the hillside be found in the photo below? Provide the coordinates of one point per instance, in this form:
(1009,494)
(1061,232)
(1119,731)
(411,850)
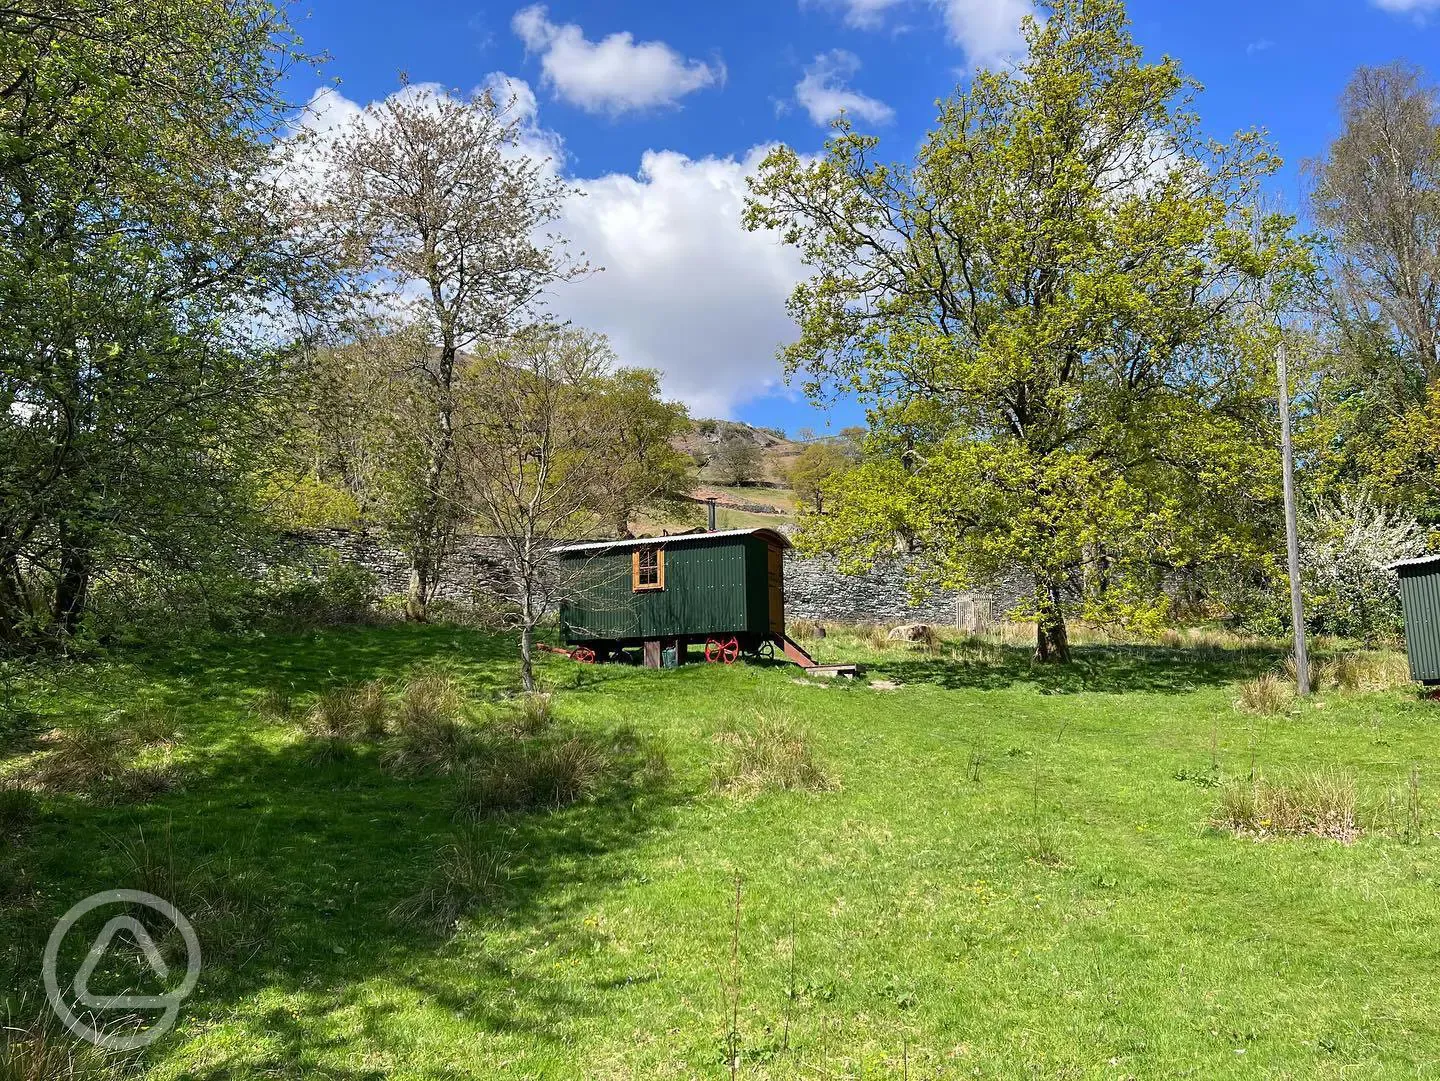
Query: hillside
(766,501)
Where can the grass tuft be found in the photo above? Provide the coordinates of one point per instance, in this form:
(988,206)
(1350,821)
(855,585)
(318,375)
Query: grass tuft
(469,873)
(1266,695)
(101,763)
(769,755)
(41,1051)
(523,775)
(1319,804)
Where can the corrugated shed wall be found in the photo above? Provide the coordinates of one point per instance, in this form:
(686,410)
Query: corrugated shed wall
(705,593)
(1420,598)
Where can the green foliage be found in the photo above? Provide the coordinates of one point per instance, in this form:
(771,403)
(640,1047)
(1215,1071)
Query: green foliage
(815,467)
(737,460)
(1042,313)
(146,267)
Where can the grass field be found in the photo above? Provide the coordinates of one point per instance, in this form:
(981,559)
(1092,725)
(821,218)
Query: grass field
(1008,872)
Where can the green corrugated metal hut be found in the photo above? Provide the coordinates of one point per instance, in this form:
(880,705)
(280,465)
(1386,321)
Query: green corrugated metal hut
(675,591)
(1420,600)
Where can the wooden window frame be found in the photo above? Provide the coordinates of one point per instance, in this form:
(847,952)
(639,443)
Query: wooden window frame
(636,586)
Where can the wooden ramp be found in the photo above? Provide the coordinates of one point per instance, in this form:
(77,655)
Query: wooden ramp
(797,655)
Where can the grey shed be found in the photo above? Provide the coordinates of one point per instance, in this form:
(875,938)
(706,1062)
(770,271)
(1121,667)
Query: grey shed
(1420,601)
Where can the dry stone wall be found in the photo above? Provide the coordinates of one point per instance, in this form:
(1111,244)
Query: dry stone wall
(814,588)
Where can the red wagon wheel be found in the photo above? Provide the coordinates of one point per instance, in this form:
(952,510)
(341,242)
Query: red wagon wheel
(585,655)
(718,652)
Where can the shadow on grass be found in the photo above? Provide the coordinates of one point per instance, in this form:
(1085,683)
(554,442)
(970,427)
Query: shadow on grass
(1105,669)
(329,850)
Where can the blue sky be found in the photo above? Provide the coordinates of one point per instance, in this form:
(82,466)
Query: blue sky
(656,111)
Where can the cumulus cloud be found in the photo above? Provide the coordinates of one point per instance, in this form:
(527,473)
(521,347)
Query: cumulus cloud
(824,92)
(987,30)
(684,289)
(612,76)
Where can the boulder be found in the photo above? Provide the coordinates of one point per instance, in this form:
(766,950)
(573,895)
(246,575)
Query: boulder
(909,632)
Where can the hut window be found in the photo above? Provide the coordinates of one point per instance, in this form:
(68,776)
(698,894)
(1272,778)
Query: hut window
(647,569)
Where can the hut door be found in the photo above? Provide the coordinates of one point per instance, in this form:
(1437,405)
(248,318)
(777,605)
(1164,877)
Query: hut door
(776,578)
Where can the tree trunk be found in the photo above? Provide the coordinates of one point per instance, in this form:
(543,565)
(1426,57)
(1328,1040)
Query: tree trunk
(1052,638)
(417,598)
(527,665)
(14,605)
(72,587)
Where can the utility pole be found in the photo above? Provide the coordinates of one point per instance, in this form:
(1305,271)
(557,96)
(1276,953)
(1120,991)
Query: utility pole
(1292,532)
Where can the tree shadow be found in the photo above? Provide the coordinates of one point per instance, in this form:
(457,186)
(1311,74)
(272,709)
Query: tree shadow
(1111,669)
(326,851)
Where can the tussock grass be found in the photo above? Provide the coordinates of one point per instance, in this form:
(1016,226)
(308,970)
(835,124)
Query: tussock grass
(349,713)
(526,775)
(1318,804)
(1363,672)
(1267,695)
(275,705)
(770,754)
(470,872)
(222,897)
(804,630)
(429,732)
(103,763)
(17,810)
(41,1051)
(429,696)
(529,714)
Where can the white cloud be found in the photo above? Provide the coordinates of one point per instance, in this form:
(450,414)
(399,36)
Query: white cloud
(987,30)
(1408,7)
(824,94)
(685,289)
(612,76)
(861,14)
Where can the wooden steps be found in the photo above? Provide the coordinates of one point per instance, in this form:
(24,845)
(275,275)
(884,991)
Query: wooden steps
(797,655)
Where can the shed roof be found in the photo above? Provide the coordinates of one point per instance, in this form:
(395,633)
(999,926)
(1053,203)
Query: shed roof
(1418,561)
(771,535)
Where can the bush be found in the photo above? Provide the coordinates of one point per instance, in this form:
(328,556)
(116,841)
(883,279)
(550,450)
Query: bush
(469,872)
(769,755)
(1319,804)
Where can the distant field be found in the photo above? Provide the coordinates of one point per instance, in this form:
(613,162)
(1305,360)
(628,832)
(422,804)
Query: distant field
(1000,871)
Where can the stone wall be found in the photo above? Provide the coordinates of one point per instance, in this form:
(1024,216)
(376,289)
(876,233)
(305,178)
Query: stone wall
(814,589)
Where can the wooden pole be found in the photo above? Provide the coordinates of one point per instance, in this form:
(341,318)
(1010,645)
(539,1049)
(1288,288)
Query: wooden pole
(1292,532)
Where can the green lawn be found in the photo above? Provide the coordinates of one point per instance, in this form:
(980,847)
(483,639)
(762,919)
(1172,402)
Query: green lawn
(1013,878)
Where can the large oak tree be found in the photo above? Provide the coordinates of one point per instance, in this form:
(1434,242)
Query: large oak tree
(1040,312)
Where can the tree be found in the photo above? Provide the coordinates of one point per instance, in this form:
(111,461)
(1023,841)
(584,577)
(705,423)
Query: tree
(147,266)
(1041,315)
(543,421)
(431,196)
(816,466)
(736,460)
(1377,196)
(643,467)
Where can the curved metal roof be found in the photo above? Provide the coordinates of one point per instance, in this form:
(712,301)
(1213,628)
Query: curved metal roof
(771,535)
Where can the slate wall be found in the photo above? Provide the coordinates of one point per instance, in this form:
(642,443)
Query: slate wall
(814,589)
